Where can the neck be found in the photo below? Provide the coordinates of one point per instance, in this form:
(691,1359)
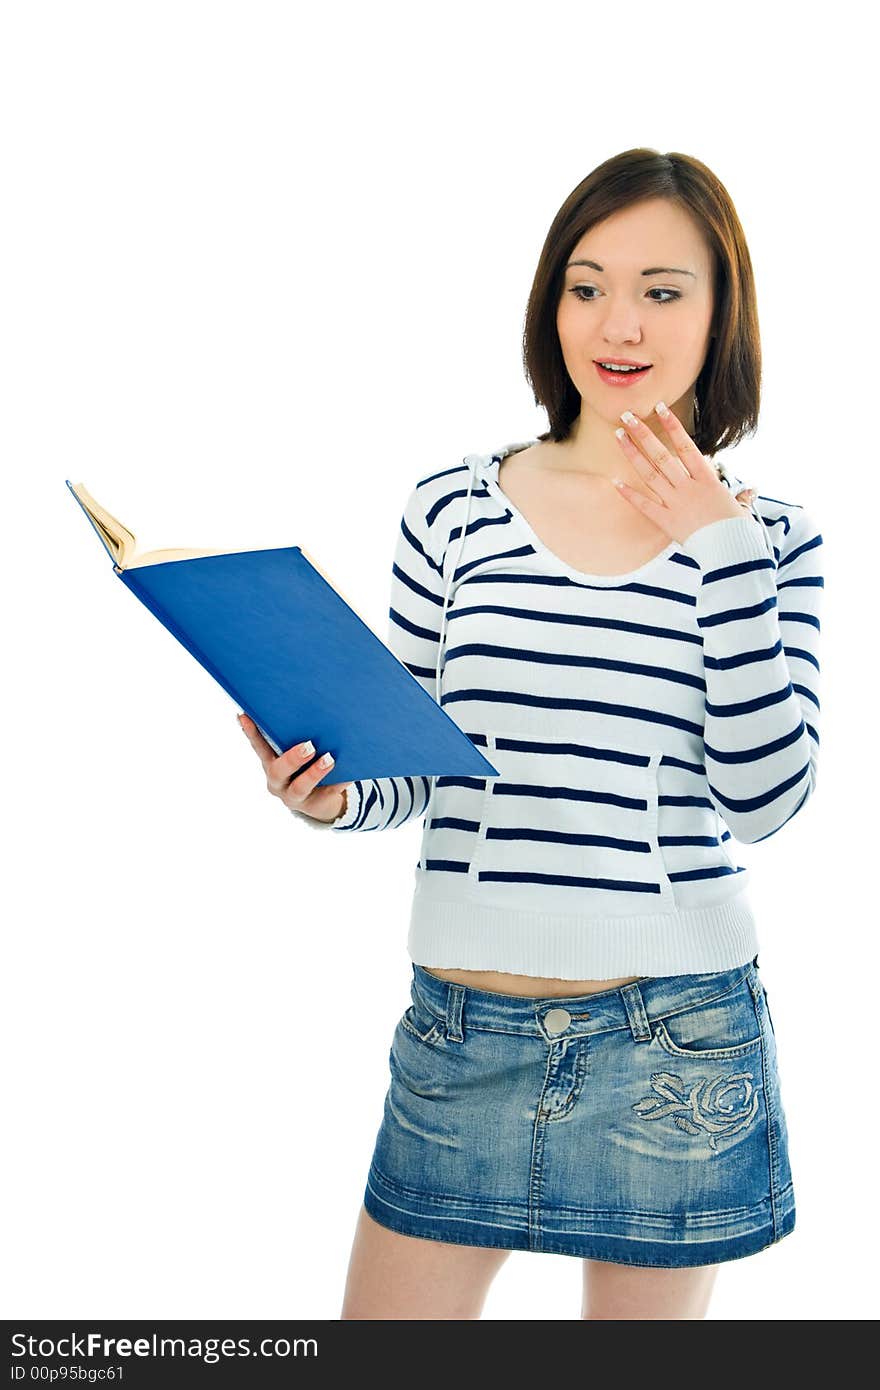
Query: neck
(592,448)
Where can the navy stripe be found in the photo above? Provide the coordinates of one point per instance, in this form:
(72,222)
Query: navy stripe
(640,723)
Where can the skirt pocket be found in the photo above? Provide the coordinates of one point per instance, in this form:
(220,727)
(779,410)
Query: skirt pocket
(720,1028)
(565,814)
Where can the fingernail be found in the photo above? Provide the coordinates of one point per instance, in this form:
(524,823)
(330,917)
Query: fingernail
(327,760)
(661,409)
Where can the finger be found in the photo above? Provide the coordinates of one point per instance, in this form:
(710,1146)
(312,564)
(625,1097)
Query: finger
(287,765)
(650,507)
(304,782)
(646,471)
(288,762)
(662,463)
(264,750)
(688,453)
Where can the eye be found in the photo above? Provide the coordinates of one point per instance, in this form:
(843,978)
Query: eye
(673,294)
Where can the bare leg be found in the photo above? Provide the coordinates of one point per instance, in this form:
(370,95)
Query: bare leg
(636,1293)
(391,1276)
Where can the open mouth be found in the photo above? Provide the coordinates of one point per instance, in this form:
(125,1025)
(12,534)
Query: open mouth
(620,376)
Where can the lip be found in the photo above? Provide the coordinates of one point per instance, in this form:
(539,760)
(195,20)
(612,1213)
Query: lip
(623,361)
(620,379)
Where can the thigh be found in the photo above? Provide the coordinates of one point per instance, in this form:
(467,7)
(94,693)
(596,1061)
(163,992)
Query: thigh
(637,1293)
(393,1276)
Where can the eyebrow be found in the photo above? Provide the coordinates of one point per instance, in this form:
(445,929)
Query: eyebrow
(653,270)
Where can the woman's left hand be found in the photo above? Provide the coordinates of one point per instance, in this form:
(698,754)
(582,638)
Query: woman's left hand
(686,491)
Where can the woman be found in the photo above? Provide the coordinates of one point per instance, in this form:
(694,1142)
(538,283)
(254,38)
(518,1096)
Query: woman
(588,1065)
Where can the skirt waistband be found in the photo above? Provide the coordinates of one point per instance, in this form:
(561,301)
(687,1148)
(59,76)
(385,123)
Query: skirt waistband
(634,1006)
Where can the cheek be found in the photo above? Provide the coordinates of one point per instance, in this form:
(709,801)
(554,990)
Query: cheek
(574,339)
(695,330)
(568,341)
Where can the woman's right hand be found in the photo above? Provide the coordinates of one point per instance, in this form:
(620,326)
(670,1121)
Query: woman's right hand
(324,803)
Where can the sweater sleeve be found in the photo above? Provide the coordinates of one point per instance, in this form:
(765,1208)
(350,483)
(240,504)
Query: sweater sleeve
(414,617)
(760,620)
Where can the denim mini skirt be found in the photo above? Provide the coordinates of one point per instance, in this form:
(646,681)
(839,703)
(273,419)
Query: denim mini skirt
(641,1125)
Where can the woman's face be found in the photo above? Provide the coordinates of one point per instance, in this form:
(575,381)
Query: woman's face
(663,318)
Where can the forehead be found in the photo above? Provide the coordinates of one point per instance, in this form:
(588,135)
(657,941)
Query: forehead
(655,232)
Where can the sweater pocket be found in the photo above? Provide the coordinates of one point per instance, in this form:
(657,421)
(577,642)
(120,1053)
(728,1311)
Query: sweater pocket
(574,815)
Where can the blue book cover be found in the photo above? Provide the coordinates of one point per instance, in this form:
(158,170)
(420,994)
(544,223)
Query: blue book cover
(293,654)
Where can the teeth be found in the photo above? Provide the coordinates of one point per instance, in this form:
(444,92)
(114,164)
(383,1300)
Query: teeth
(612,367)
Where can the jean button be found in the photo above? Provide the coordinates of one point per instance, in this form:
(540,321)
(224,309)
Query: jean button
(557,1020)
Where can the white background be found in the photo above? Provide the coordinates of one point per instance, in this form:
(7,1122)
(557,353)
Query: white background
(264,266)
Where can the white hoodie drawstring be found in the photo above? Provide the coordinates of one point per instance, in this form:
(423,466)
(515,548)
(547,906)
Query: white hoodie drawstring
(472,461)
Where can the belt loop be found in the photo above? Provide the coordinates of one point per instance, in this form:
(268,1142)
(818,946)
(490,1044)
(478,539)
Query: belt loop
(454,998)
(636,1013)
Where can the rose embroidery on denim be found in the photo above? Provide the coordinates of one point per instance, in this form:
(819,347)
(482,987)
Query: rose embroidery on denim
(718,1107)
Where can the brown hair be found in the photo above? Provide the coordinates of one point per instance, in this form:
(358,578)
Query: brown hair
(728,388)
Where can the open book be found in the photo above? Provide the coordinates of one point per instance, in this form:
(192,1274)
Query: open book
(121,544)
(283,642)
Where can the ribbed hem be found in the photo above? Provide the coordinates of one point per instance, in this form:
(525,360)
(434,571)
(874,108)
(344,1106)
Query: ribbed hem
(726,542)
(477,936)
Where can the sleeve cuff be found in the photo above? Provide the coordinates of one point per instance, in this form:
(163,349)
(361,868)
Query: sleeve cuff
(726,542)
(352,810)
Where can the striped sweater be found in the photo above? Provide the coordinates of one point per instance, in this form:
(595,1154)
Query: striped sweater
(640,723)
